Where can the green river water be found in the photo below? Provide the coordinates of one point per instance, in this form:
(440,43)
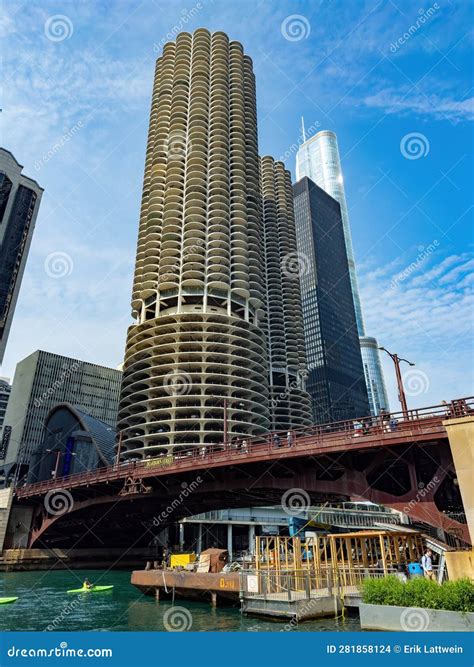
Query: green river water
(44,604)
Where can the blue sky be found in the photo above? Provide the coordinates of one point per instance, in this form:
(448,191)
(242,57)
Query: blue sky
(75,114)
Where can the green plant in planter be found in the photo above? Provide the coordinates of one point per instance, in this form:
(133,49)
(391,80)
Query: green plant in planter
(452,595)
(458,595)
(388,590)
(421,592)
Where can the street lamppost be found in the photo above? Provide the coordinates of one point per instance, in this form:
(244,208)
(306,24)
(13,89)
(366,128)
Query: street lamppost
(401,392)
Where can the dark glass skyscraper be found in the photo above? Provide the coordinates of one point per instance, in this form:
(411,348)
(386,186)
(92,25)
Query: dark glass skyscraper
(20,198)
(336,376)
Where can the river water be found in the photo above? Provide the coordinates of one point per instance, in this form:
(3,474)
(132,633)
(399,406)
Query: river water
(43,604)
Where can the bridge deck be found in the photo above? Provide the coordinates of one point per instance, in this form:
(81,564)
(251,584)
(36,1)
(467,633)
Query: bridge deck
(416,426)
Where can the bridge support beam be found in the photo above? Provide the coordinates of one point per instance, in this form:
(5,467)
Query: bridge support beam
(251,538)
(461,441)
(230,541)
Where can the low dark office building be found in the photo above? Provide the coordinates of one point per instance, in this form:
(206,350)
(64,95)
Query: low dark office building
(73,442)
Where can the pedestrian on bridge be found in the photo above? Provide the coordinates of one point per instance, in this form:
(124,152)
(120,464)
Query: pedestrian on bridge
(357,426)
(276,440)
(289,439)
(393,423)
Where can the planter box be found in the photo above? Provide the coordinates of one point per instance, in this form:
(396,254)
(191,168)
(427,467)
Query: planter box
(386,617)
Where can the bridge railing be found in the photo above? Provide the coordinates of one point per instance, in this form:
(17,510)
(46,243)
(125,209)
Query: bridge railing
(417,421)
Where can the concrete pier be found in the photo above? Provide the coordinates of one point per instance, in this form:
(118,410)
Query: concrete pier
(20,560)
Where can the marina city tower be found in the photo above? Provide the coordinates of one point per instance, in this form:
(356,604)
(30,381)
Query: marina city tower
(197,368)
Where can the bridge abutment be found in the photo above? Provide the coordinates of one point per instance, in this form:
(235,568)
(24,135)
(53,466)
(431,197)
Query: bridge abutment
(461,441)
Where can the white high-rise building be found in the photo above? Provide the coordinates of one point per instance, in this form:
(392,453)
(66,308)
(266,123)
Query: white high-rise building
(318,159)
(217,347)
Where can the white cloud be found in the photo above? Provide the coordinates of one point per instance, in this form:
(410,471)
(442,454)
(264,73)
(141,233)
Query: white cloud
(403,101)
(428,319)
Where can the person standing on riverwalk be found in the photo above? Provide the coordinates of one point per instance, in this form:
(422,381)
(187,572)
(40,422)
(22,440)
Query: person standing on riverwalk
(427,565)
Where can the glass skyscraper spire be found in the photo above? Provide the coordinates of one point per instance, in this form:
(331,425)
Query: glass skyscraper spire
(318,159)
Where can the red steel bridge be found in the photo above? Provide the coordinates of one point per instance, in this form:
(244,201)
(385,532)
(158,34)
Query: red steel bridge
(402,461)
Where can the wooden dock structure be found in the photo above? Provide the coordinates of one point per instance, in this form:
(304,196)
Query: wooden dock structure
(301,579)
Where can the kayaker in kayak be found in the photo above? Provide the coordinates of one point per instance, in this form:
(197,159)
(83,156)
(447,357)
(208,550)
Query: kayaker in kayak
(87,584)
